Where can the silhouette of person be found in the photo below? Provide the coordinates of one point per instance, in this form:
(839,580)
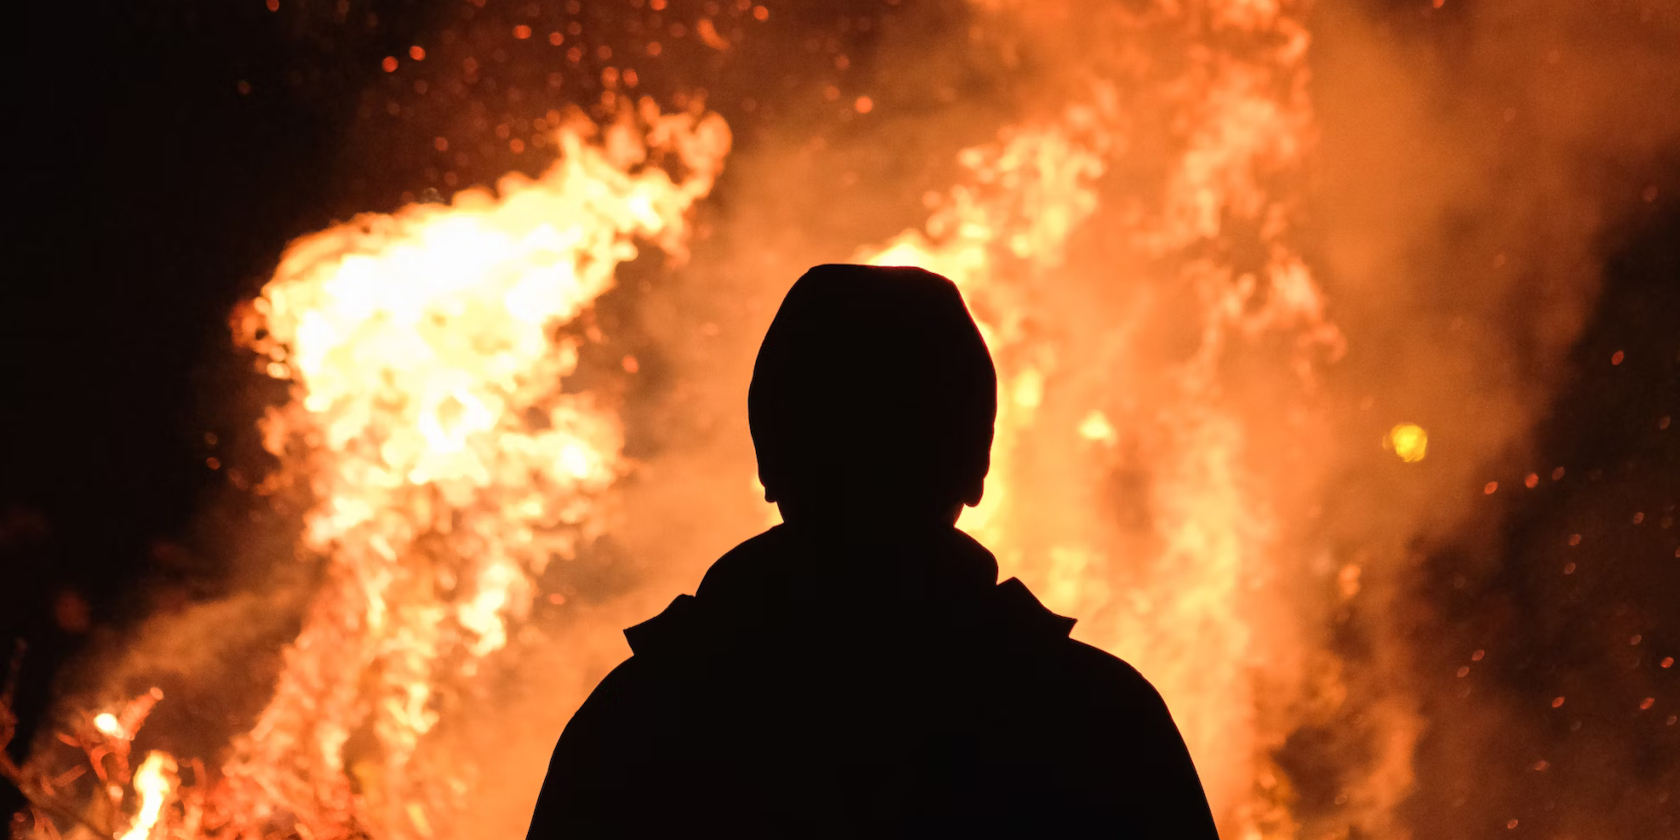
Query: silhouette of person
(858,671)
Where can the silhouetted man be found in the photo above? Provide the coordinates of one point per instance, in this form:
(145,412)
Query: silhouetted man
(859,671)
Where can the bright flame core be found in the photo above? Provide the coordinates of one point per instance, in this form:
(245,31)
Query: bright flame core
(155,782)
(107,723)
(447,464)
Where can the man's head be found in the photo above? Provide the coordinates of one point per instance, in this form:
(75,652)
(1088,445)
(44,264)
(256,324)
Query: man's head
(873,398)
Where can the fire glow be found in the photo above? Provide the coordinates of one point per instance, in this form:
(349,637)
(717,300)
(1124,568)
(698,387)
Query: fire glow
(428,406)
(419,346)
(1160,340)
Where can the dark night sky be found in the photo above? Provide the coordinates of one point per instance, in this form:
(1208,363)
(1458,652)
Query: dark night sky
(157,195)
(150,195)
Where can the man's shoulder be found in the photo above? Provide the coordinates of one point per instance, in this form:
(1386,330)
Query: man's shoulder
(1105,678)
(732,588)
(745,567)
(1028,619)
(1061,671)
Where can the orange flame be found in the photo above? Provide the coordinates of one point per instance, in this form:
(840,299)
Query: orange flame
(447,465)
(1184,593)
(155,782)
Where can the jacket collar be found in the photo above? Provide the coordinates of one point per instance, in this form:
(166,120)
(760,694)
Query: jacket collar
(785,579)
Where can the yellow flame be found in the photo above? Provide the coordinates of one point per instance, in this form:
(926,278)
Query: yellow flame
(1409,441)
(107,723)
(1049,170)
(447,463)
(1174,588)
(155,782)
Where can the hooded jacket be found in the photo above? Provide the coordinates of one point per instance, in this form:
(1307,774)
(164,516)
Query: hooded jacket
(823,688)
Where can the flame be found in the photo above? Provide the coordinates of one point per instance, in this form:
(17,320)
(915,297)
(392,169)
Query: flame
(107,723)
(1028,193)
(1182,589)
(155,782)
(1186,629)
(446,462)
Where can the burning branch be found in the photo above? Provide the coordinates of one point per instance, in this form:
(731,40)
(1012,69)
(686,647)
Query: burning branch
(26,778)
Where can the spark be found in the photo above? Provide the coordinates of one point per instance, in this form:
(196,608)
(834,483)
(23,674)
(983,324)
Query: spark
(1410,441)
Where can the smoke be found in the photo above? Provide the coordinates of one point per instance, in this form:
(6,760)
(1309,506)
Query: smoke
(1466,171)
(1475,162)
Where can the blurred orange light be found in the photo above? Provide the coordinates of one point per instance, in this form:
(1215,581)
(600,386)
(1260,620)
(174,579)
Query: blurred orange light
(1410,442)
